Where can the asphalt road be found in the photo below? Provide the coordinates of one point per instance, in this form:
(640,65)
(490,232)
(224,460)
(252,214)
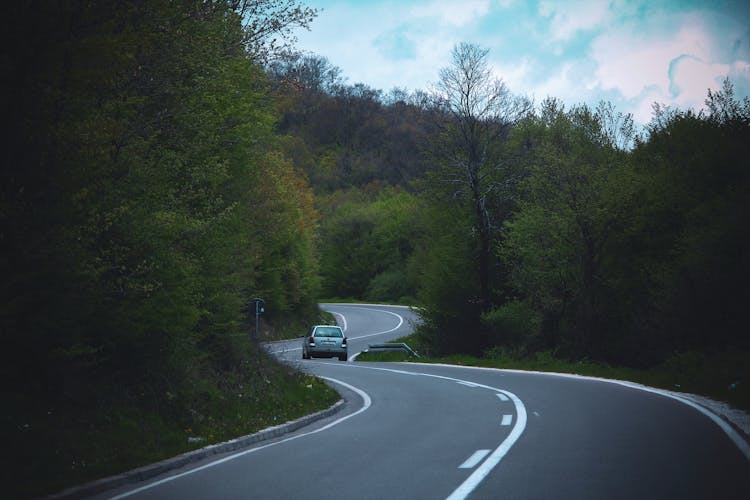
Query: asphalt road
(430,431)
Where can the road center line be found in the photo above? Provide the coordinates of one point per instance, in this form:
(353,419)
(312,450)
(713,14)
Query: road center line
(507,420)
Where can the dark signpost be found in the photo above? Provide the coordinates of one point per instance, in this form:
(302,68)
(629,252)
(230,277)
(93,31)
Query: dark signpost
(260,308)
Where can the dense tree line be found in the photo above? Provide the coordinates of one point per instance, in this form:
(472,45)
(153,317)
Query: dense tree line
(145,201)
(530,229)
(626,254)
(349,135)
(613,246)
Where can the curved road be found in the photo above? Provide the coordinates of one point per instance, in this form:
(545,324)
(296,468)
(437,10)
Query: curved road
(432,431)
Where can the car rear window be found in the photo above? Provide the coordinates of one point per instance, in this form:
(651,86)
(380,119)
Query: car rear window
(328,332)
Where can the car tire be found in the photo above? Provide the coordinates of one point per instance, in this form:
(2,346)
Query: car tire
(342,357)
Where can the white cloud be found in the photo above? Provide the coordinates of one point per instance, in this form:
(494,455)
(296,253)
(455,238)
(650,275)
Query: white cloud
(514,75)
(570,17)
(647,65)
(569,82)
(692,77)
(452,13)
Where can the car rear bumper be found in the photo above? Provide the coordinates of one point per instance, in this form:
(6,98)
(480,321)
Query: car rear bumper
(327,351)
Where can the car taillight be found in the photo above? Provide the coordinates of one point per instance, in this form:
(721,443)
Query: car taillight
(343,344)
(312,339)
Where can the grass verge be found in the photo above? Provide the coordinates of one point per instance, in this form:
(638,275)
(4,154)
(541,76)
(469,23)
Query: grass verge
(721,376)
(60,446)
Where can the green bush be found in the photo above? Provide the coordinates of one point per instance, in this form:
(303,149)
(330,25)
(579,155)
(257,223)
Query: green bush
(512,323)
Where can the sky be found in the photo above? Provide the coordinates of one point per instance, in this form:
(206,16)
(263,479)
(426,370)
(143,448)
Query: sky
(631,53)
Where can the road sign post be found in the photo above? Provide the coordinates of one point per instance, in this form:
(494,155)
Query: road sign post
(260,308)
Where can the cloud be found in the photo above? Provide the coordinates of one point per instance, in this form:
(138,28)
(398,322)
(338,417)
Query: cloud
(451,13)
(653,62)
(691,77)
(569,18)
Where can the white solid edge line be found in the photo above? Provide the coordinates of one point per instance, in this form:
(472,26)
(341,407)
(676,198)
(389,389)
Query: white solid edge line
(358,304)
(400,322)
(731,433)
(468,384)
(367,402)
(474,459)
(343,319)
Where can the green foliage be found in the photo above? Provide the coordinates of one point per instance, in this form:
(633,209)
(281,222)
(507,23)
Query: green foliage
(346,136)
(693,173)
(627,254)
(367,244)
(448,284)
(386,357)
(513,324)
(144,203)
(569,212)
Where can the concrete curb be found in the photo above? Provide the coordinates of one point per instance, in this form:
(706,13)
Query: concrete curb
(153,470)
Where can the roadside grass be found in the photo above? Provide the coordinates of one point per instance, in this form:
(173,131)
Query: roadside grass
(62,447)
(391,357)
(722,376)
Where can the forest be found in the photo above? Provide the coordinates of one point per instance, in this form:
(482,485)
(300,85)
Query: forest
(523,226)
(167,162)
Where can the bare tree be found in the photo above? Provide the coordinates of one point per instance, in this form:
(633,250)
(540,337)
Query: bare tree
(480,111)
(308,72)
(270,24)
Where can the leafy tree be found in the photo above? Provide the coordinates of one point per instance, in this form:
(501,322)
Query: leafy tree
(559,241)
(367,244)
(146,203)
(627,254)
(691,225)
(448,277)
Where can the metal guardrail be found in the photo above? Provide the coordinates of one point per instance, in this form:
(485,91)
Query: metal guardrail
(390,347)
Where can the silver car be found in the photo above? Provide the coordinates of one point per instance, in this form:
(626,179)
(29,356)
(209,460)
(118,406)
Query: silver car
(324,341)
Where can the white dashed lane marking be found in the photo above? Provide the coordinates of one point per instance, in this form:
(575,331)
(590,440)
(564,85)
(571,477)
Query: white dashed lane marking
(473,460)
